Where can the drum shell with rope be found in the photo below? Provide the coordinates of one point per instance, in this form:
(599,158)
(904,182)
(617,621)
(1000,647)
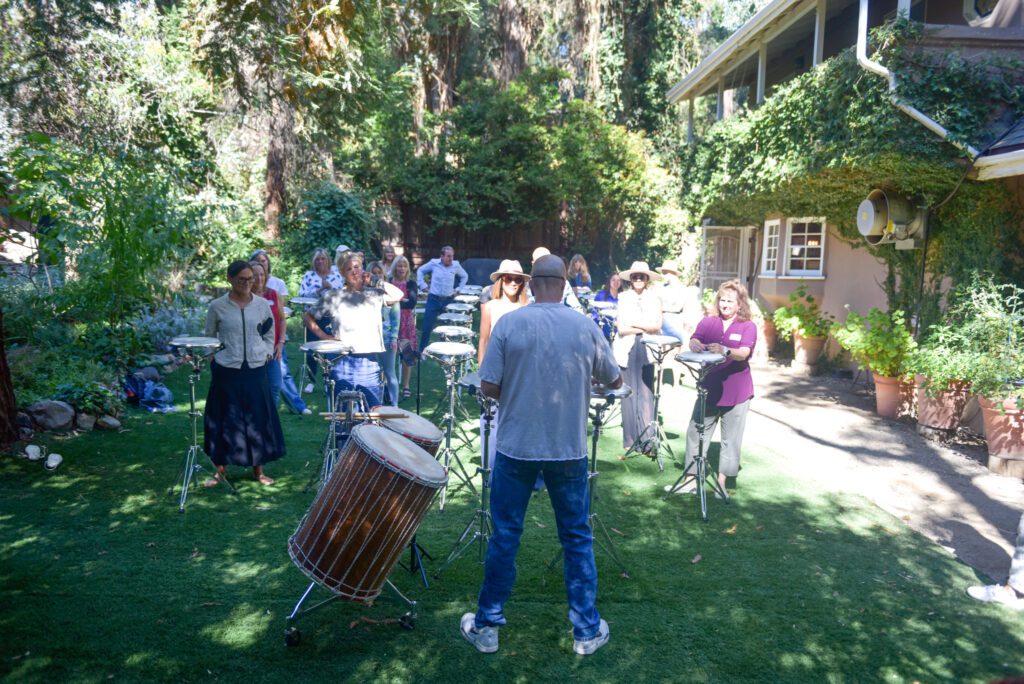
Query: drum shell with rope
(414,428)
(366,513)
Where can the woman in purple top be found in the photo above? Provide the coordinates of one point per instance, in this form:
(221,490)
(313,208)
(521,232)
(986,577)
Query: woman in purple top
(729,384)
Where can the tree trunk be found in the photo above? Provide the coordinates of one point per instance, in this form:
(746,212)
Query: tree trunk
(282,126)
(516,39)
(9,432)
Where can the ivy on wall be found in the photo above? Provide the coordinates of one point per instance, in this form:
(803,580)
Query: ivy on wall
(824,139)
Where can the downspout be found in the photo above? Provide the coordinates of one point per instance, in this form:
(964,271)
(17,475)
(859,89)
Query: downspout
(876,68)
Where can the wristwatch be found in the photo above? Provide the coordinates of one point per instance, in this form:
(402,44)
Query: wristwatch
(728,352)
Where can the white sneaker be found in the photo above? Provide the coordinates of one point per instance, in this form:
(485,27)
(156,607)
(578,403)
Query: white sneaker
(484,638)
(53,461)
(33,452)
(588,646)
(308,389)
(997,593)
(306,412)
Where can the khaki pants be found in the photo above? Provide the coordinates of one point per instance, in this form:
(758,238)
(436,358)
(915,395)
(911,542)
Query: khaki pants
(734,420)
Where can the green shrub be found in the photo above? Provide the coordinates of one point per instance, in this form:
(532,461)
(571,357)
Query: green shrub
(90,397)
(801,316)
(879,341)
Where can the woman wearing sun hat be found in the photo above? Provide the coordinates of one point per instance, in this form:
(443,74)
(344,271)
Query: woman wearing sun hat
(639,314)
(674,299)
(507,294)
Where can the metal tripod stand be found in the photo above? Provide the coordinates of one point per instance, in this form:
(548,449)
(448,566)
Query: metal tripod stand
(190,466)
(480,526)
(699,468)
(602,538)
(653,440)
(447,455)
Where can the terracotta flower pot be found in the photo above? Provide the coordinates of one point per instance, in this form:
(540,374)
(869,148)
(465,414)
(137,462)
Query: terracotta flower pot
(771,335)
(1004,432)
(807,350)
(888,397)
(943,411)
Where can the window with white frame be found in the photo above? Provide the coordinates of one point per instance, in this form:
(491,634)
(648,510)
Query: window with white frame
(770,250)
(805,246)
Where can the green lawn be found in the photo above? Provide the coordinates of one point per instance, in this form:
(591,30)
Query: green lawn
(102,579)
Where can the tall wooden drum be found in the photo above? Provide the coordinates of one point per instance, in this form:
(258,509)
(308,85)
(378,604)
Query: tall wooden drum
(366,513)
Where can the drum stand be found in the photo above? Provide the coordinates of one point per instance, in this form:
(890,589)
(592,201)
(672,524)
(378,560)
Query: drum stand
(699,467)
(293,637)
(190,466)
(330,448)
(448,454)
(653,436)
(480,526)
(602,538)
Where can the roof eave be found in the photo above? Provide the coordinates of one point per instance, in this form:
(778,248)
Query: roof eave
(737,41)
(1005,165)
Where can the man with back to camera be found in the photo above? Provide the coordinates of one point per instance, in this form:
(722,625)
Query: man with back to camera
(446,276)
(545,432)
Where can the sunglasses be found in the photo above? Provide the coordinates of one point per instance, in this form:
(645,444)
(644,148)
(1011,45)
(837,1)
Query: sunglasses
(638,276)
(518,280)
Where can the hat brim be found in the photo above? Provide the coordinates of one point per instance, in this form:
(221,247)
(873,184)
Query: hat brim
(662,270)
(651,275)
(498,274)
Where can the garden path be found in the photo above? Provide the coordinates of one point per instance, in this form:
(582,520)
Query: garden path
(825,429)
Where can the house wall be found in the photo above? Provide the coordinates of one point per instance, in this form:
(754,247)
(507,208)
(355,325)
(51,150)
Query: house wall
(852,277)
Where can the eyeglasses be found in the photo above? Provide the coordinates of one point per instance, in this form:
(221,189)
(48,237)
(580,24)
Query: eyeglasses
(250,279)
(518,280)
(638,276)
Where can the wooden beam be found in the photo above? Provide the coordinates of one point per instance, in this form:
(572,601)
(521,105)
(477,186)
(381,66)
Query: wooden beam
(762,70)
(821,14)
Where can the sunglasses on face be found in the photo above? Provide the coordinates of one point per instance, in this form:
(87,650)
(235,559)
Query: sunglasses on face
(512,279)
(638,276)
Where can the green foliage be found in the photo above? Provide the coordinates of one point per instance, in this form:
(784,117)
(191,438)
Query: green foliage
(37,371)
(90,397)
(515,158)
(943,357)
(880,341)
(988,319)
(801,316)
(328,216)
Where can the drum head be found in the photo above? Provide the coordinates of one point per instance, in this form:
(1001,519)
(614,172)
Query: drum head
(661,341)
(193,342)
(455,318)
(602,305)
(470,381)
(326,347)
(467,298)
(303,301)
(399,454)
(454,331)
(458,307)
(445,351)
(701,358)
(602,392)
(411,426)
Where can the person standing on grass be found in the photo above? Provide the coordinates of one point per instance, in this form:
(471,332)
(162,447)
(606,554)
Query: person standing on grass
(402,278)
(532,348)
(1010,594)
(240,423)
(446,276)
(730,385)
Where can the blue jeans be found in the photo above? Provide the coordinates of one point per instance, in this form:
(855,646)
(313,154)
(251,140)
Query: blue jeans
(513,481)
(672,324)
(359,372)
(434,308)
(387,361)
(288,388)
(274,380)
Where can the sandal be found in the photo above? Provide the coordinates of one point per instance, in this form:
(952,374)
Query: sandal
(406,393)
(211,482)
(265,481)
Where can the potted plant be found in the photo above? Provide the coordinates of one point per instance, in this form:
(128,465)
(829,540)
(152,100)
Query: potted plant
(940,364)
(804,321)
(991,320)
(879,341)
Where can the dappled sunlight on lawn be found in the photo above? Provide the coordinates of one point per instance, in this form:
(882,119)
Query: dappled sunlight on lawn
(245,627)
